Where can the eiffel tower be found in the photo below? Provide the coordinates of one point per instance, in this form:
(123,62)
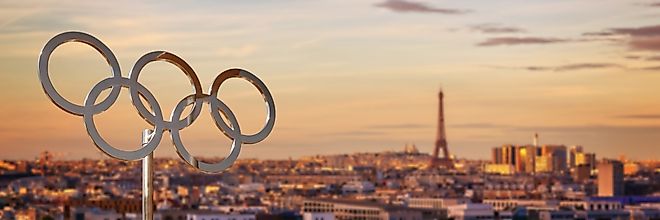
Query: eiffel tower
(441,142)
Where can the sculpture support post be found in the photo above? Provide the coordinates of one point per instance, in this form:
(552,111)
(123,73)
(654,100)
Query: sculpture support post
(147,179)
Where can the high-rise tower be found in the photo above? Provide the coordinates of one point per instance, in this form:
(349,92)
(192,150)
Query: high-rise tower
(610,178)
(441,140)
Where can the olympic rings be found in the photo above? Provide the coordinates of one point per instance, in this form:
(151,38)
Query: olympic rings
(175,124)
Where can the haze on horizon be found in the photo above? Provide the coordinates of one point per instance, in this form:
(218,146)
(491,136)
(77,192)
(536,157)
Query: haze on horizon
(349,76)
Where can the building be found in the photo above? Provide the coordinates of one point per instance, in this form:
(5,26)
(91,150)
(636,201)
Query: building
(586,158)
(504,155)
(496,155)
(610,178)
(219,216)
(572,153)
(581,173)
(318,216)
(551,159)
(547,213)
(502,169)
(592,205)
(311,179)
(509,154)
(503,204)
(95,214)
(360,187)
(631,168)
(643,212)
(434,203)
(556,154)
(470,211)
(356,209)
(522,158)
(525,159)
(593,209)
(410,149)
(121,206)
(543,164)
(27,214)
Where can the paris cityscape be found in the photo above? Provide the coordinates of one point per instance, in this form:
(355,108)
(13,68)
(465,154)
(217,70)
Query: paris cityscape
(386,110)
(532,181)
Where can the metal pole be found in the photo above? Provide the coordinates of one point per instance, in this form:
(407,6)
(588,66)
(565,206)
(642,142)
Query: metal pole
(147,179)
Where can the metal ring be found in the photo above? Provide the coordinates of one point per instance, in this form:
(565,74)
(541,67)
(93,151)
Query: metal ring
(201,165)
(47,84)
(171,58)
(89,112)
(268,98)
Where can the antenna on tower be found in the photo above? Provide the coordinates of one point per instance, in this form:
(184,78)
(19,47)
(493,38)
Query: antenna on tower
(536,139)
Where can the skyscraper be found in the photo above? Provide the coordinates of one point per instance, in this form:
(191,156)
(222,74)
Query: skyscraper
(496,155)
(505,154)
(610,178)
(586,158)
(441,140)
(525,159)
(552,159)
(572,154)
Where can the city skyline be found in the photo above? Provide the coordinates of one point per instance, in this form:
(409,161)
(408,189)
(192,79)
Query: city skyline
(365,80)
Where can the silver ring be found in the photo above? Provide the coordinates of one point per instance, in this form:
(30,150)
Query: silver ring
(137,90)
(104,146)
(47,85)
(268,98)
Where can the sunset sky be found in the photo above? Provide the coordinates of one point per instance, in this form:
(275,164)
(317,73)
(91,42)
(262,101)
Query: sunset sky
(348,76)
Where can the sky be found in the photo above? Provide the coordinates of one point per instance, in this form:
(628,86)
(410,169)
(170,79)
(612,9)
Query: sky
(347,76)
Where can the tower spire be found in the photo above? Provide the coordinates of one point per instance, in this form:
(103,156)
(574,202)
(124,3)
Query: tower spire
(536,139)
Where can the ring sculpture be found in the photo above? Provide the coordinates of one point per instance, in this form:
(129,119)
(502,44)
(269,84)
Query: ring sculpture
(91,107)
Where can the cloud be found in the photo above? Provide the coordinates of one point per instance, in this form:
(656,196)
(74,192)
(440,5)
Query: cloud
(574,67)
(379,130)
(574,129)
(654,4)
(639,38)
(495,28)
(507,41)
(647,31)
(399,126)
(640,116)
(478,125)
(356,133)
(645,58)
(596,128)
(237,52)
(654,68)
(587,128)
(598,34)
(645,43)
(580,66)
(404,6)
